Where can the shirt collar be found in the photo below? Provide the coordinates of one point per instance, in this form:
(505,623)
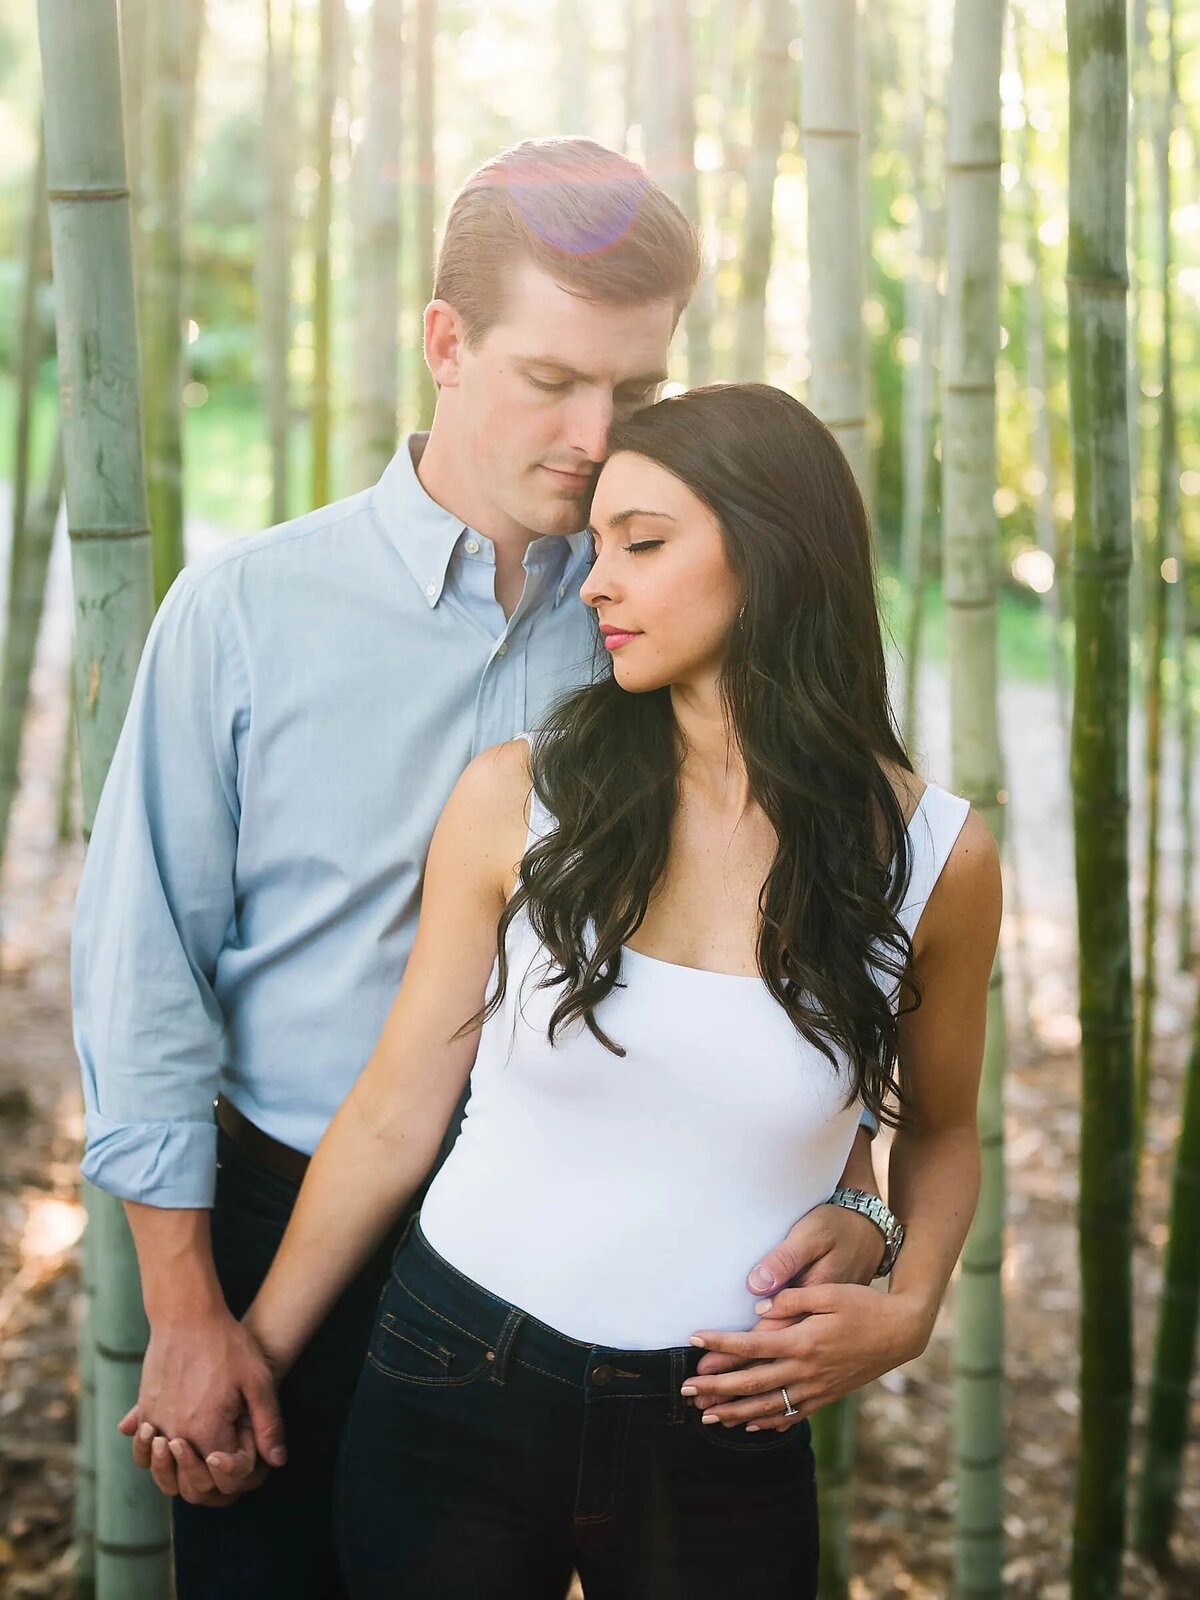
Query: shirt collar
(426,535)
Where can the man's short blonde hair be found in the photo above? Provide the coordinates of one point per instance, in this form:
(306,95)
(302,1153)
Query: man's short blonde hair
(585,215)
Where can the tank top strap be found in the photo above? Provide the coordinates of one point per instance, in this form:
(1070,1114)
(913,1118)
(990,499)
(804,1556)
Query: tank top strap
(540,820)
(932,833)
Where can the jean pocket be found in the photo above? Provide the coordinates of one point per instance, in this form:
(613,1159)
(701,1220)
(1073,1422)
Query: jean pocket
(799,1436)
(413,1342)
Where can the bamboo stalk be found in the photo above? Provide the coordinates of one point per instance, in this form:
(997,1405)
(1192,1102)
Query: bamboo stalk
(26,596)
(1175,1345)
(110,547)
(970,572)
(669,139)
(1097,290)
(574,107)
(160,299)
(770,102)
(832,143)
(1156,630)
(328,63)
(922,317)
(275,266)
(376,395)
(832,151)
(425,111)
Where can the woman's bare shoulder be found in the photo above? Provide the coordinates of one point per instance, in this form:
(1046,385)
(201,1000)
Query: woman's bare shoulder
(967,901)
(491,799)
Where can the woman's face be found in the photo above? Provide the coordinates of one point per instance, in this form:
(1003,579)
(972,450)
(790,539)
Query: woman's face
(661,586)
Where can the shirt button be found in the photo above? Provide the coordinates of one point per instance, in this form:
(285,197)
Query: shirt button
(472,547)
(501,649)
(602,1374)
(431,589)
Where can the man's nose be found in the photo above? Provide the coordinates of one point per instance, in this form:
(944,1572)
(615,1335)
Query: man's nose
(589,424)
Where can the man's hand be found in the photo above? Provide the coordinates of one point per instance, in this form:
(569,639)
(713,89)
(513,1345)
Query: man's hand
(208,1389)
(830,1244)
(820,1342)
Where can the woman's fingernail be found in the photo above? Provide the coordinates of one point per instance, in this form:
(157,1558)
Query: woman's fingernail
(762,1305)
(159,1447)
(710,1416)
(753,1427)
(698,1342)
(761,1279)
(687,1389)
(146,1432)
(213,1460)
(177,1449)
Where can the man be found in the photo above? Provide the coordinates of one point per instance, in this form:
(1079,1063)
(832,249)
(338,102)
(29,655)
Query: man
(304,705)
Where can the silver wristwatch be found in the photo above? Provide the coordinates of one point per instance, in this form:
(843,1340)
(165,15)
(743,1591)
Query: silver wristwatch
(884,1219)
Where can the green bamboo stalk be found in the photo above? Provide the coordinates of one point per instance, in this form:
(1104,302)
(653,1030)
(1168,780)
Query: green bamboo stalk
(26,595)
(275,265)
(835,1447)
(28,549)
(66,789)
(837,393)
(27,348)
(771,100)
(1186,725)
(135,29)
(574,103)
(1039,384)
(1097,290)
(372,413)
(329,53)
(669,139)
(1156,630)
(425,113)
(970,574)
(110,547)
(922,308)
(160,298)
(84,1511)
(1175,1345)
(832,153)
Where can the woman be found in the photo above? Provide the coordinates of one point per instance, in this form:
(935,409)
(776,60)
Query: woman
(705,926)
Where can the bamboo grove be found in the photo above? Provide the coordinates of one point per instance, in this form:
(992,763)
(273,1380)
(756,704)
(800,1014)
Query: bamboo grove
(966,233)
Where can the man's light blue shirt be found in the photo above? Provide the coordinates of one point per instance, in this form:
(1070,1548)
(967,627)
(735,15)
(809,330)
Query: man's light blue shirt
(304,705)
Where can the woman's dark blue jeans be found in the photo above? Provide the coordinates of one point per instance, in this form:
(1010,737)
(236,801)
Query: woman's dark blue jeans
(486,1455)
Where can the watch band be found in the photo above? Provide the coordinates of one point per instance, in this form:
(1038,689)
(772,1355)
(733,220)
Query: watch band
(870,1205)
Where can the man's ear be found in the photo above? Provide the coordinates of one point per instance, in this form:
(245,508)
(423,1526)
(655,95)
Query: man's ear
(443,342)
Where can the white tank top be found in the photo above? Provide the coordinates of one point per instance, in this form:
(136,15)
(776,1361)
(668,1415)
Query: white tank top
(623,1200)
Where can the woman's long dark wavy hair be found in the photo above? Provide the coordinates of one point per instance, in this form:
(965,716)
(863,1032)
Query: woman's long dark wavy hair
(805,692)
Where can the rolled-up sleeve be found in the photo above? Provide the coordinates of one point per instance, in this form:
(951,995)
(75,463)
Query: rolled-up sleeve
(155,906)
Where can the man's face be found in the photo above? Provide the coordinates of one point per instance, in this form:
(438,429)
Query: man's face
(536,397)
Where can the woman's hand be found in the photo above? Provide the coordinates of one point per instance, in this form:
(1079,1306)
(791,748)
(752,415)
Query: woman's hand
(820,1342)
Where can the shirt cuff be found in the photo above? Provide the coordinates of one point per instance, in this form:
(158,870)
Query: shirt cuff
(168,1164)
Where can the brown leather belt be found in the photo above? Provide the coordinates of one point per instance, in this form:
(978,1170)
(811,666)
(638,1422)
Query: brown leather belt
(278,1158)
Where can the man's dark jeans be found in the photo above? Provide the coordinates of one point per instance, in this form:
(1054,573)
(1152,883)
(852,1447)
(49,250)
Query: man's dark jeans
(276,1542)
(486,1455)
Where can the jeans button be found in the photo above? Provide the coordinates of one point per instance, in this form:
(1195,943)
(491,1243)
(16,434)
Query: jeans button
(602,1374)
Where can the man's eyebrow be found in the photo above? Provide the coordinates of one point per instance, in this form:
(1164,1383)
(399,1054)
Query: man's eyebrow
(622,517)
(644,379)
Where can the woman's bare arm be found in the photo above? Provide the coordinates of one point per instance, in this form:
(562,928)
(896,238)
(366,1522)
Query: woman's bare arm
(387,1132)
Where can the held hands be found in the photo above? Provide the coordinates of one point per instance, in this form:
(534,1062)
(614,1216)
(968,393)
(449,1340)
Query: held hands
(820,1340)
(206,1425)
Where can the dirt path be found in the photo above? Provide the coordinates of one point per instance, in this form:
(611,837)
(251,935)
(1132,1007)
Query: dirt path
(903,1524)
